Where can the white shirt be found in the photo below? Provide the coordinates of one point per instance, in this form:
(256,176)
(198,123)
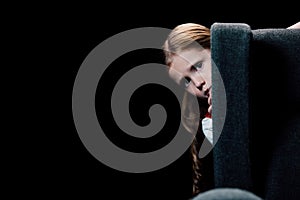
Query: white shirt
(207,129)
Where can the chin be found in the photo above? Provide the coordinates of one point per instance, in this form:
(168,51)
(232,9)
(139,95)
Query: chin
(201,96)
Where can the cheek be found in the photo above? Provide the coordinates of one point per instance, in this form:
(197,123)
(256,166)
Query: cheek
(173,75)
(176,76)
(194,91)
(207,74)
(190,90)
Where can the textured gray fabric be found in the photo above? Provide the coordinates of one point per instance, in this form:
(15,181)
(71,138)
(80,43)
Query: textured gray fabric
(275,113)
(278,49)
(230,54)
(259,147)
(227,194)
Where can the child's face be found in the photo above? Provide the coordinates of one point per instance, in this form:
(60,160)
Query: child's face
(191,68)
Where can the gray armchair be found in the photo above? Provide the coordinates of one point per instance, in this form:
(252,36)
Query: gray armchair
(258,146)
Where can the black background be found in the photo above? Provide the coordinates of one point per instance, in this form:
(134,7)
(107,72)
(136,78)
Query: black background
(62,35)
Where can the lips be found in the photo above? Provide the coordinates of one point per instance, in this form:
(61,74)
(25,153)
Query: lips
(209,100)
(207,92)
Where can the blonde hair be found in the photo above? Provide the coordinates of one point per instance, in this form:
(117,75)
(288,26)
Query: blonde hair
(185,36)
(182,37)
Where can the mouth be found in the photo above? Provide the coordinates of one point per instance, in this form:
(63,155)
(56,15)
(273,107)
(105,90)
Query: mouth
(207,91)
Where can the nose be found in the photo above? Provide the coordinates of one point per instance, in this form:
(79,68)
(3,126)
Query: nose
(198,81)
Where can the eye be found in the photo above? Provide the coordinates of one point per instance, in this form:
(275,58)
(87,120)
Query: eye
(197,66)
(185,82)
